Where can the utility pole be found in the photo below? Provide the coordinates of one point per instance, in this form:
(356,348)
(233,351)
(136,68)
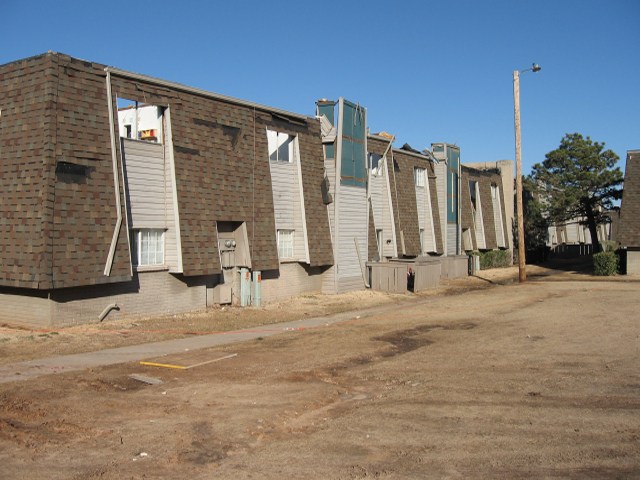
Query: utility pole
(522,265)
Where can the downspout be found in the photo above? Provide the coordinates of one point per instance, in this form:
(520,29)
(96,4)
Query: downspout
(116,181)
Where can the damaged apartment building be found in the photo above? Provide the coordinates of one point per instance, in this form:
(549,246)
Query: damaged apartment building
(129,195)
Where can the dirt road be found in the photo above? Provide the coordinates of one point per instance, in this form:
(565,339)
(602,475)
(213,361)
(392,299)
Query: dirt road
(539,380)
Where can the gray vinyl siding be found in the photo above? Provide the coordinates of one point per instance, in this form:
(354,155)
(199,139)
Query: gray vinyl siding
(452,234)
(173,255)
(352,223)
(170,243)
(572,233)
(441,188)
(144,162)
(287,203)
(497,215)
(150,192)
(481,239)
(328,278)
(425,216)
(382,215)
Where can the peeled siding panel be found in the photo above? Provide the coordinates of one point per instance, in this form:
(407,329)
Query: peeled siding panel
(352,218)
(286,203)
(381,211)
(421,200)
(441,187)
(328,278)
(145,170)
(282,177)
(170,241)
(497,215)
(425,220)
(479,220)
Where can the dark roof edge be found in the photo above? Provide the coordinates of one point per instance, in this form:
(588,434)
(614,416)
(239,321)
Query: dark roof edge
(204,93)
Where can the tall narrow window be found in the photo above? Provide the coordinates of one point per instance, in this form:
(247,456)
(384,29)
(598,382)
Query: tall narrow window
(419,175)
(285,244)
(280,146)
(379,239)
(472,190)
(422,240)
(150,246)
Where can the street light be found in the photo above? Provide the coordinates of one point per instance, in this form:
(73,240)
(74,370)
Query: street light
(522,267)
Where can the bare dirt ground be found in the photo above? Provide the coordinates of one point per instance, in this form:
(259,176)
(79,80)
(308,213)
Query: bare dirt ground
(492,380)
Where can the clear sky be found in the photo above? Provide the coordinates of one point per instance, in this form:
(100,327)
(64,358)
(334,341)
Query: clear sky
(427,71)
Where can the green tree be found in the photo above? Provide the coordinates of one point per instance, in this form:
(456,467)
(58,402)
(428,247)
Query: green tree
(536,224)
(579,179)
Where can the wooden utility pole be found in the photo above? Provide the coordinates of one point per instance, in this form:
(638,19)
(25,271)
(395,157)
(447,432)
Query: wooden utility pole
(522,266)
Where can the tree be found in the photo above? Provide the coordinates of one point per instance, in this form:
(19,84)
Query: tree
(579,179)
(536,223)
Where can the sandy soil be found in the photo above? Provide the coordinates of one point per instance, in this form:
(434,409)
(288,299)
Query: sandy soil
(19,343)
(538,380)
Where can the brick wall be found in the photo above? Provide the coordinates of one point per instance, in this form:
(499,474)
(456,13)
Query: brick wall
(21,306)
(148,294)
(291,279)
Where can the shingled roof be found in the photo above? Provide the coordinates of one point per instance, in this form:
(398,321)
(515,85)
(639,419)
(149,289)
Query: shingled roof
(629,229)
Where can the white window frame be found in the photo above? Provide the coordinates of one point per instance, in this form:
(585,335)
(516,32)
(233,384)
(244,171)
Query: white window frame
(419,175)
(285,240)
(150,237)
(275,143)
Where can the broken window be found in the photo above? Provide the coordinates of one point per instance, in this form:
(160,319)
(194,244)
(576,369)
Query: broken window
(140,121)
(473,185)
(280,146)
(376,164)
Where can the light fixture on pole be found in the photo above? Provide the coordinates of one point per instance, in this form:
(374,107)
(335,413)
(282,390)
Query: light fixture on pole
(522,266)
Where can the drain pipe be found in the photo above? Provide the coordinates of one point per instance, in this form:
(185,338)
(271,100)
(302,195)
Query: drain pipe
(105,312)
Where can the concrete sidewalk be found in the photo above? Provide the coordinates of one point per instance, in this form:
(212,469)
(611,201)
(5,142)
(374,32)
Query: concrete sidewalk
(134,353)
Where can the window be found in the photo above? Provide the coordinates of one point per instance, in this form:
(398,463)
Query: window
(422,240)
(376,164)
(285,244)
(473,185)
(494,190)
(379,239)
(127,131)
(280,146)
(150,246)
(419,175)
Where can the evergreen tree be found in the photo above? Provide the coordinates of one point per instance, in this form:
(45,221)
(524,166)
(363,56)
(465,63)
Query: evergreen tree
(579,179)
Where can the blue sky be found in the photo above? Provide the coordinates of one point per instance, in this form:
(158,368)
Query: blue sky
(426,71)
